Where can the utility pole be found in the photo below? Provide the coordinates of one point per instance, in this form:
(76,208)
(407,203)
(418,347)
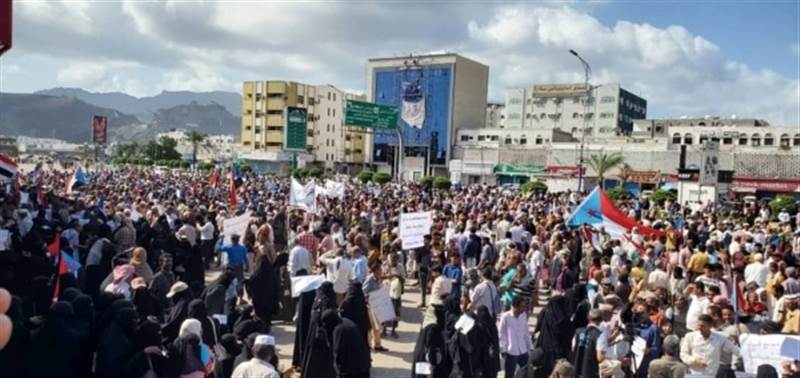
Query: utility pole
(587,72)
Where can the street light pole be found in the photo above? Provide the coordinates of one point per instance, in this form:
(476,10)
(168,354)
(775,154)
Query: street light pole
(587,72)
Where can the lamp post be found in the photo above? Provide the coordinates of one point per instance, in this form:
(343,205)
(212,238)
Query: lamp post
(587,72)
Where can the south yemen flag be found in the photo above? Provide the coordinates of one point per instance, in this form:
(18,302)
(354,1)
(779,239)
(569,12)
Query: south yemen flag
(8,168)
(599,210)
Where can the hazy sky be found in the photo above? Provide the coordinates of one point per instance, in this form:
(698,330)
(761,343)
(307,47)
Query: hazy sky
(685,57)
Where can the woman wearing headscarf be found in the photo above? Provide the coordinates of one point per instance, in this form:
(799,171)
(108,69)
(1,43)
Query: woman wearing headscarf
(264,288)
(146,303)
(220,296)
(317,358)
(116,346)
(429,351)
(38,302)
(302,324)
(12,357)
(579,305)
(189,357)
(56,340)
(488,336)
(141,267)
(84,322)
(120,283)
(354,307)
(197,310)
(148,356)
(223,365)
(181,296)
(555,331)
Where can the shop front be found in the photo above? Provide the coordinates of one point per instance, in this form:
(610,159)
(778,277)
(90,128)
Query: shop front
(516,174)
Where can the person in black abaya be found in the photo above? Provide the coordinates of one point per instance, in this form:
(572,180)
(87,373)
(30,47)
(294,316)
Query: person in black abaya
(194,268)
(579,305)
(460,348)
(116,346)
(148,355)
(197,310)
(40,298)
(351,357)
(214,294)
(145,302)
(176,316)
(354,307)
(555,331)
(318,356)
(56,342)
(430,349)
(223,365)
(488,342)
(264,288)
(12,357)
(302,325)
(84,322)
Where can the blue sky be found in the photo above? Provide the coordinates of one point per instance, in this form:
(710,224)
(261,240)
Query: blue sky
(690,58)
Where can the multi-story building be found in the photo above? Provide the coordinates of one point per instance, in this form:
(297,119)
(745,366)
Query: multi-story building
(337,145)
(495,115)
(610,110)
(437,94)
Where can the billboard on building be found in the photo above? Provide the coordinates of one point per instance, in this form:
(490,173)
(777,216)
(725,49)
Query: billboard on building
(6,25)
(99,129)
(710,163)
(295,135)
(424,95)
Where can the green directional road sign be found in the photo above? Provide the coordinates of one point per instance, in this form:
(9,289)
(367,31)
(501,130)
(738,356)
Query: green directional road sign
(369,115)
(294,137)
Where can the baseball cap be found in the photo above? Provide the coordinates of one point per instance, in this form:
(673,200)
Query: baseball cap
(176,288)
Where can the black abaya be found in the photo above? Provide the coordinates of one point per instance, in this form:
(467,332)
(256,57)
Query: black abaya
(318,356)
(12,357)
(579,306)
(179,313)
(264,288)
(489,349)
(116,347)
(302,326)
(430,348)
(350,354)
(555,331)
(354,307)
(197,310)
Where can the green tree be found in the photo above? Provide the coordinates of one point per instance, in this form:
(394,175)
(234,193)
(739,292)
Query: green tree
(126,151)
(783,202)
(441,183)
(605,163)
(659,196)
(162,149)
(536,186)
(616,193)
(198,140)
(426,181)
(381,177)
(364,176)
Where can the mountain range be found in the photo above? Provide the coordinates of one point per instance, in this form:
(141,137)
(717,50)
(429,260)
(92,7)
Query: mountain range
(66,113)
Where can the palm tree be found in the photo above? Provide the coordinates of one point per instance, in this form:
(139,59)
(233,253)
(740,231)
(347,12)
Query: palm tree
(198,140)
(604,163)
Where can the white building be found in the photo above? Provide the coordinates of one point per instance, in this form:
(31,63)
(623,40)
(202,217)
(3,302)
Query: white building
(495,115)
(611,109)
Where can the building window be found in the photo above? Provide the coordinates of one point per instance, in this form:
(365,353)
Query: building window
(785,141)
(676,138)
(334,112)
(523,139)
(687,139)
(743,140)
(589,116)
(542,116)
(528,116)
(334,97)
(481,138)
(769,140)
(465,138)
(575,115)
(606,115)
(727,140)
(329,96)
(755,140)
(703,139)
(538,139)
(607,99)
(333,142)
(495,138)
(796,140)
(329,112)
(508,139)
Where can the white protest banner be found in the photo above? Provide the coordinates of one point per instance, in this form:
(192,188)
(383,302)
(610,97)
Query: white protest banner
(413,227)
(237,225)
(465,324)
(304,284)
(334,189)
(771,350)
(381,305)
(303,196)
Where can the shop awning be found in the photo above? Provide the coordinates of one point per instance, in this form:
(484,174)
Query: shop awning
(518,170)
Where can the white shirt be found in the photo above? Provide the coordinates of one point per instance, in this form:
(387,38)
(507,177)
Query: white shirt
(694,345)
(613,349)
(299,259)
(338,271)
(658,278)
(537,260)
(255,368)
(697,307)
(484,294)
(207,231)
(516,233)
(733,247)
(756,272)
(515,339)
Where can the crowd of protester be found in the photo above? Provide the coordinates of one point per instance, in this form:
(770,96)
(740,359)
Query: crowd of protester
(131,274)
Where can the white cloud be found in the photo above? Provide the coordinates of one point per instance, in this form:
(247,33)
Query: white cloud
(204,45)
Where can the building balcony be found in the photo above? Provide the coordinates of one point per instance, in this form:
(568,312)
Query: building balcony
(276,87)
(274,137)
(274,120)
(276,104)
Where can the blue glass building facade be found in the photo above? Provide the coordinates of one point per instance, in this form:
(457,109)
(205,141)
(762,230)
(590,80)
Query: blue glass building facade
(435,84)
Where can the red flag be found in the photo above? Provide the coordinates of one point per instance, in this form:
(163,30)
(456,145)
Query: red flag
(55,247)
(214,179)
(62,268)
(232,196)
